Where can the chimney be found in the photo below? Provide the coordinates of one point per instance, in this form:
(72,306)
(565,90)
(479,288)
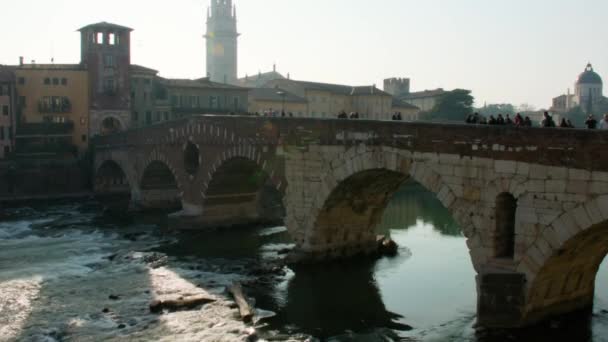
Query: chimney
(20,60)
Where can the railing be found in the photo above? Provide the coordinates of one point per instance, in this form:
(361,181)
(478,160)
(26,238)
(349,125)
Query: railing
(45,129)
(46,108)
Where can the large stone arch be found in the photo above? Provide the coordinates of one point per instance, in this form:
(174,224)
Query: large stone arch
(159,185)
(562,264)
(239,188)
(381,171)
(111,177)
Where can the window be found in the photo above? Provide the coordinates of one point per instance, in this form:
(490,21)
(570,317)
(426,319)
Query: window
(157,117)
(84,138)
(213,102)
(147,81)
(235,101)
(145,96)
(64,81)
(10,132)
(47,81)
(55,81)
(4,110)
(99,37)
(108,60)
(1,132)
(166,114)
(108,85)
(7,150)
(112,39)
(21,80)
(148,118)
(135,116)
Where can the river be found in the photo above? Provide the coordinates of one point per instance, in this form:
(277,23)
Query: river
(61,264)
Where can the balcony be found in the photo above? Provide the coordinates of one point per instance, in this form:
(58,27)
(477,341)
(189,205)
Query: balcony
(55,106)
(44,129)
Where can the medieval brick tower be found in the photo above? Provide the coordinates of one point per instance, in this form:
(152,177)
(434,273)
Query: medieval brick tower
(222,49)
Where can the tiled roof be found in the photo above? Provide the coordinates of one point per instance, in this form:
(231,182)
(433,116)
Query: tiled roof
(106,26)
(50,67)
(139,68)
(198,83)
(342,89)
(402,104)
(423,94)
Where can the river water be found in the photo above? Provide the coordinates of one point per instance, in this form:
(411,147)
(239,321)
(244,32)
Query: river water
(59,263)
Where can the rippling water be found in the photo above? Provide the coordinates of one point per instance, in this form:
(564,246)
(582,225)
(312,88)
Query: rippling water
(53,257)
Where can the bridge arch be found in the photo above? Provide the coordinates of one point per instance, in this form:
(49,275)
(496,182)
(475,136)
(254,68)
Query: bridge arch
(159,186)
(350,203)
(561,266)
(111,179)
(242,188)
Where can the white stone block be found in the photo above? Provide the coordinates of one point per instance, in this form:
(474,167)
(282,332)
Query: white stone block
(523,169)
(538,171)
(599,176)
(555,186)
(505,166)
(577,174)
(594,212)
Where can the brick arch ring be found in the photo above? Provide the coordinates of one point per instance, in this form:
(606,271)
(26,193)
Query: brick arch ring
(131,178)
(246,152)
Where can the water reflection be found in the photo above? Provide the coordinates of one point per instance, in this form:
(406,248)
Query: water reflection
(413,203)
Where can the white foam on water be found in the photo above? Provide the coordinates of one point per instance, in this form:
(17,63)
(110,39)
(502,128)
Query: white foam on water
(19,229)
(272,231)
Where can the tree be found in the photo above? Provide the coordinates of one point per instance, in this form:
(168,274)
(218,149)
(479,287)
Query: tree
(495,109)
(454,105)
(526,108)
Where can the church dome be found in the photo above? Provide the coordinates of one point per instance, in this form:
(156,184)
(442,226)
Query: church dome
(589,76)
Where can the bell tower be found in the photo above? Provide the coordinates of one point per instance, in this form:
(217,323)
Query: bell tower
(222,46)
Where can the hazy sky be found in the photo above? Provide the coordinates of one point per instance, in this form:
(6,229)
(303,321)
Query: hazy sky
(517,51)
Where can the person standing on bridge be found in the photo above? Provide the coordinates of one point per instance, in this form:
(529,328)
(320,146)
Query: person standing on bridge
(591,122)
(519,121)
(604,123)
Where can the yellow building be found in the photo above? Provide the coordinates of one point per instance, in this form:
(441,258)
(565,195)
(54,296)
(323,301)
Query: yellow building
(276,100)
(53,96)
(328,100)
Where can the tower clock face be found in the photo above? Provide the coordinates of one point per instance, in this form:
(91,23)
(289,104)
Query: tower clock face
(218,49)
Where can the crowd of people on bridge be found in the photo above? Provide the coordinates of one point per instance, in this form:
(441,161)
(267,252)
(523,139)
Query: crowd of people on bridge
(518,120)
(547,122)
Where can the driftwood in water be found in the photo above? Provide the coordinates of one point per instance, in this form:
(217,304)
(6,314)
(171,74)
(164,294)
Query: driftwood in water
(180,303)
(245,308)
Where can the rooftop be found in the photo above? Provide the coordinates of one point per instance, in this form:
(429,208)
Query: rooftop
(274,94)
(198,83)
(423,94)
(35,66)
(402,104)
(106,26)
(142,69)
(342,89)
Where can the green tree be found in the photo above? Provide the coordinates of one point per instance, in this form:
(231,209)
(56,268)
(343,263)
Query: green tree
(454,105)
(495,109)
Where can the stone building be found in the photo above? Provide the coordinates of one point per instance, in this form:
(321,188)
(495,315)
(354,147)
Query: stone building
(222,42)
(328,100)
(53,108)
(264,100)
(8,107)
(155,99)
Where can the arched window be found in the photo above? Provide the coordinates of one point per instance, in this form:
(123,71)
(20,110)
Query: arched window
(504,243)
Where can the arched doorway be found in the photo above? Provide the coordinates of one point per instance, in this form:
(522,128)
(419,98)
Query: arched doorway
(110,125)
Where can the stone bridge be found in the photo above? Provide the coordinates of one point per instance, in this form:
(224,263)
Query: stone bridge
(532,203)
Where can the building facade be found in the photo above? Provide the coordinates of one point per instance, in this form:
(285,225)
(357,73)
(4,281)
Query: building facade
(276,100)
(8,107)
(326,100)
(53,107)
(106,55)
(222,42)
